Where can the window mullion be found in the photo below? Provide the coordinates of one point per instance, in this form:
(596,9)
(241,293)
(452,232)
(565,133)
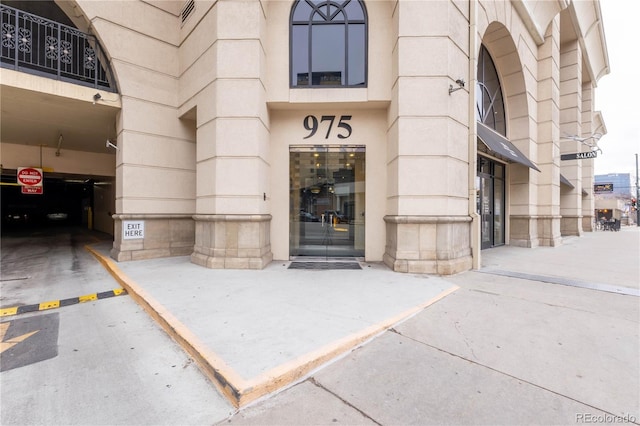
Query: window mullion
(346,53)
(310,55)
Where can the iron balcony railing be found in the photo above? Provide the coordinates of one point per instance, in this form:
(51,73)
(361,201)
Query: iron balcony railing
(37,45)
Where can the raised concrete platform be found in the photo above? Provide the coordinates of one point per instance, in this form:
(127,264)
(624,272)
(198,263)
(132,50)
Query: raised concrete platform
(255,332)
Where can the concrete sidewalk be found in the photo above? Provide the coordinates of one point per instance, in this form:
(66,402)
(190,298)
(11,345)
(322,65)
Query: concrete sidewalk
(254,332)
(538,336)
(499,350)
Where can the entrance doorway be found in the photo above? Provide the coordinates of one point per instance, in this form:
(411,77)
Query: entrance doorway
(491,202)
(326,201)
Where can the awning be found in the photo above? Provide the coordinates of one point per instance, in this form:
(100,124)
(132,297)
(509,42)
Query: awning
(502,146)
(565,181)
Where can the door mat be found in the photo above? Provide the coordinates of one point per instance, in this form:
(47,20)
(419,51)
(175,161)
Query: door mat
(324,265)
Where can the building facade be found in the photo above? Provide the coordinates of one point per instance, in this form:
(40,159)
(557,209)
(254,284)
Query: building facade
(615,195)
(621,185)
(414,133)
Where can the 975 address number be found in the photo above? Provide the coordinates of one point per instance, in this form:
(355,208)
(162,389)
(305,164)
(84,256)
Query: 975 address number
(311,123)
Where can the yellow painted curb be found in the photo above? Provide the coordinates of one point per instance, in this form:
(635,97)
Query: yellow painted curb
(239,391)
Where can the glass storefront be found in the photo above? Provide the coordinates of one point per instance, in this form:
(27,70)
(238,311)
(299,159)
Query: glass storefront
(326,201)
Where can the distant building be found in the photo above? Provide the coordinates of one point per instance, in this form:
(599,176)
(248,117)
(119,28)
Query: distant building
(613,193)
(621,184)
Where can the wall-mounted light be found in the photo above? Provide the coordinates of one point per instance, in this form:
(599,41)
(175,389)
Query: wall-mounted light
(110,144)
(460,83)
(59,144)
(96,98)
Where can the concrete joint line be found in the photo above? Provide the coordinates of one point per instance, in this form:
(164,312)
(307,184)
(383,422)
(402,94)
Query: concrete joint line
(504,374)
(236,389)
(563,281)
(344,401)
(553,305)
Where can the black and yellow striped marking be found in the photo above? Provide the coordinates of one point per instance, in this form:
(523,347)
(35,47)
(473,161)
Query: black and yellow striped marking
(53,304)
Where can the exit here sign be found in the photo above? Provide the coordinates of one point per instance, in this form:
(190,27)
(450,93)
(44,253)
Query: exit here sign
(132,229)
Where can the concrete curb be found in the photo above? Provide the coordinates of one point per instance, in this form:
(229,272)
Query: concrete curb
(236,389)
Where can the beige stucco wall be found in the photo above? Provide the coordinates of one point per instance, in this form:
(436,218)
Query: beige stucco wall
(543,99)
(156,159)
(369,130)
(207,114)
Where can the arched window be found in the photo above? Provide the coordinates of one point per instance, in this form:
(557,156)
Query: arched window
(328,43)
(489,103)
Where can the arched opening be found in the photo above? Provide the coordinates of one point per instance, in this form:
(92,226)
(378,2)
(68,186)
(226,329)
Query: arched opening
(57,128)
(503,138)
(38,38)
(328,43)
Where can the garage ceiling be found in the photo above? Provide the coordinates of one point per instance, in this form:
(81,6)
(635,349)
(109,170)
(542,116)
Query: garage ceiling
(35,118)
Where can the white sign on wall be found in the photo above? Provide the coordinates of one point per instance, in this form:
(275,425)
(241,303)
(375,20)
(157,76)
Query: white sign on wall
(132,229)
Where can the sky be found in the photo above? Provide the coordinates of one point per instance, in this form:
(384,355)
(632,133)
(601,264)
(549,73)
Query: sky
(617,94)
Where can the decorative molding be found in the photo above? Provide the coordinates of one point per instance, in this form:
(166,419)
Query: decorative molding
(404,219)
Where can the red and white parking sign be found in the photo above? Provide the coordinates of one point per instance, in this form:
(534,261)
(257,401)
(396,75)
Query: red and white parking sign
(30,178)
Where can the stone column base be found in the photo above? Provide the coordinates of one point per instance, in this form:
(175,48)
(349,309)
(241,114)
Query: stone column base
(232,241)
(164,236)
(428,244)
(534,231)
(588,224)
(571,225)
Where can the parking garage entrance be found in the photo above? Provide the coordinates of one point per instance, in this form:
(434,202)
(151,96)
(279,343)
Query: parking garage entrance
(66,199)
(326,201)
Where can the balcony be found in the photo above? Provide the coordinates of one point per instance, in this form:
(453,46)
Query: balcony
(39,46)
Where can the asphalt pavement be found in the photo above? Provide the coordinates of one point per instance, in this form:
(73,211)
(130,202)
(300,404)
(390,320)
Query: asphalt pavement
(96,361)
(537,336)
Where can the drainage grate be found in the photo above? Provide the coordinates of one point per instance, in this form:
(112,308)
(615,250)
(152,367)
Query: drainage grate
(324,265)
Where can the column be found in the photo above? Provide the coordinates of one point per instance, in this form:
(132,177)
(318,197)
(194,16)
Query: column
(548,218)
(571,124)
(588,168)
(155,161)
(427,220)
(232,209)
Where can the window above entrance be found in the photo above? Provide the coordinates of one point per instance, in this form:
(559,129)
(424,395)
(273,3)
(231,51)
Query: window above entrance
(489,102)
(328,44)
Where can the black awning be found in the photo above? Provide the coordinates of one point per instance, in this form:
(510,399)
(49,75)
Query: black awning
(565,181)
(502,146)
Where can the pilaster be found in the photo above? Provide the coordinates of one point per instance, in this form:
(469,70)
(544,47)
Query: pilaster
(571,124)
(588,167)
(155,156)
(232,241)
(427,154)
(232,207)
(430,245)
(548,109)
(161,236)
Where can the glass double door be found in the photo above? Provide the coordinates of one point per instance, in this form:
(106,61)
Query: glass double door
(326,201)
